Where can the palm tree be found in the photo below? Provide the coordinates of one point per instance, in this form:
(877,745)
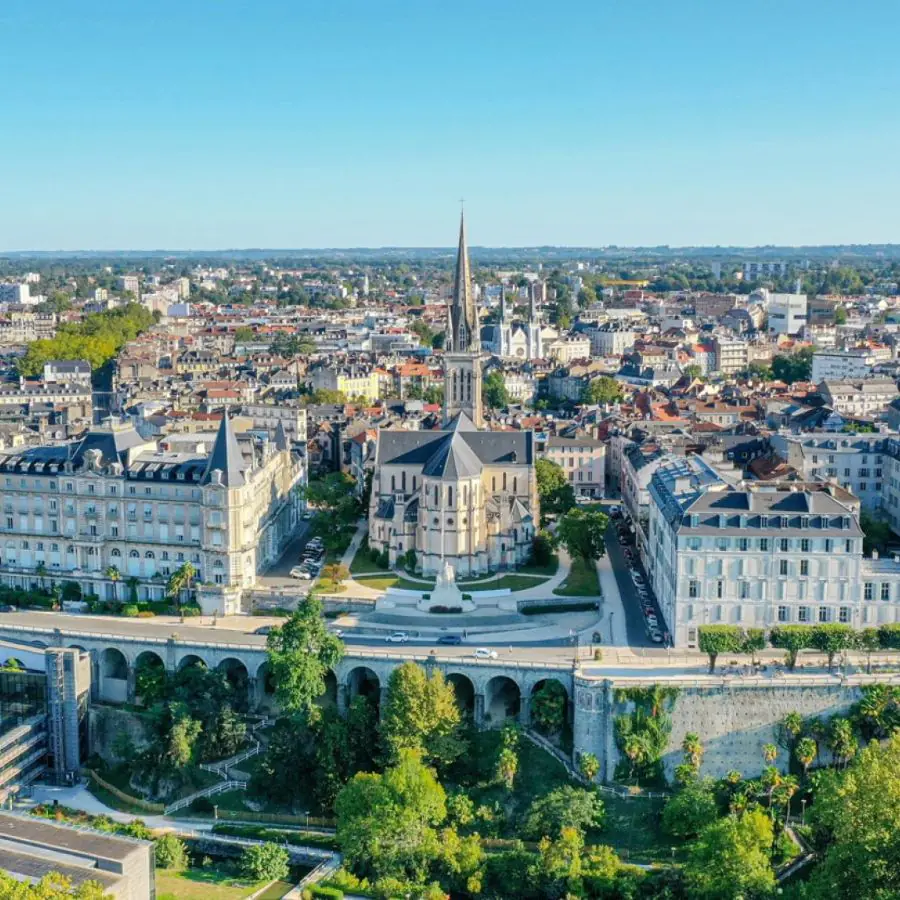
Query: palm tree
(842,741)
(805,752)
(693,750)
(770,752)
(785,790)
(634,750)
(180,581)
(791,728)
(132,585)
(41,571)
(114,575)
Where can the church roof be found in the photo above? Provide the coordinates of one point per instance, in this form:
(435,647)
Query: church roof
(461,422)
(416,448)
(453,459)
(226,456)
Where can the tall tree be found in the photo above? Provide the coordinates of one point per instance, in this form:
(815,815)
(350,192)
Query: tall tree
(300,653)
(602,390)
(495,394)
(581,532)
(554,490)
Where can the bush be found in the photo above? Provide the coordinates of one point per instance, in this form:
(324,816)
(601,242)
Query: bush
(539,609)
(384,560)
(467,596)
(541,550)
(889,636)
(146,614)
(190,611)
(171,853)
(202,805)
(329,893)
(130,611)
(265,862)
(446,609)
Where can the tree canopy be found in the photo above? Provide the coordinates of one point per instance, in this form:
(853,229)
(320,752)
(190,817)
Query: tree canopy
(602,390)
(495,394)
(581,532)
(554,491)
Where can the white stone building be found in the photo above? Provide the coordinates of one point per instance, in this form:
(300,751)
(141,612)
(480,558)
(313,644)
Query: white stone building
(583,460)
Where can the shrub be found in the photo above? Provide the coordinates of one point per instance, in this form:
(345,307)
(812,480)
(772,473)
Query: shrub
(130,611)
(541,549)
(190,611)
(446,609)
(374,555)
(467,596)
(145,614)
(539,609)
(264,862)
(329,893)
(384,560)
(889,636)
(171,853)
(203,805)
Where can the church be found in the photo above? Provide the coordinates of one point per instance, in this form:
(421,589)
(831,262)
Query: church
(461,495)
(516,340)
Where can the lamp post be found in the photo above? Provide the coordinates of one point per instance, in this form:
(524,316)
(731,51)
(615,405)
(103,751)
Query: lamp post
(803,810)
(611,639)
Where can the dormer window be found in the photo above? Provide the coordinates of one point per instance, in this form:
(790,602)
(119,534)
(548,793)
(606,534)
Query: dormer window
(765,521)
(695,520)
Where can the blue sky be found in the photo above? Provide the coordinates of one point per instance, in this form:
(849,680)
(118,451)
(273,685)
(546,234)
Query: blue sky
(315,123)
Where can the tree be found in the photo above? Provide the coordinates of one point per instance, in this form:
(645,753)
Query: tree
(171,853)
(421,714)
(581,532)
(691,809)
(265,862)
(494,391)
(386,823)
(805,752)
(180,582)
(554,490)
(693,372)
(793,368)
(832,638)
(754,641)
(507,767)
(857,811)
(840,315)
(716,639)
(334,498)
(841,740)
(589,766)
(692,748)
(300,653)
(770,753)
(114,575)
(51,887)
(601,391)
(730,859)
(549,708)
(244,334)
(876,533)
(564,807)
(793,639)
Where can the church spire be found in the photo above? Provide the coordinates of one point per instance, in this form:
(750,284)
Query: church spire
(462,336)
(502,302)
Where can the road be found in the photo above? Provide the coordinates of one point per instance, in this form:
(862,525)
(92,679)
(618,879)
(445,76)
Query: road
(277,575)
(636,628)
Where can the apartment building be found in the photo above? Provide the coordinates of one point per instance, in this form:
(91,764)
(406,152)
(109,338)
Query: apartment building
(351,381)
(567,349)
(116,501)
(270,416)
(731,355)
(611,339)
(841,365)
(584,462)
(787,313)
(760,555)
(857,462)
(865,397)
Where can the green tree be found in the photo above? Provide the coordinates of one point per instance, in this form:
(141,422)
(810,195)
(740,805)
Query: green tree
(549,708)
(857,811)
(115,576)
(300,653)
(51,887)
(602,390)
(507,767)
(840,315)
(792,639)
(581,532)
(805,752)
(693,372)
(180,582)
(589,766)
(494,391)
(730,859)
(554,490)
(832,638)
(716,639)
(387,823)
(868,640)
(171,853)
(841,740)
(265,862)
(797,367)
(876,533)
(421,714)
(754,641)
(691,809)
(564,807)
(244,334)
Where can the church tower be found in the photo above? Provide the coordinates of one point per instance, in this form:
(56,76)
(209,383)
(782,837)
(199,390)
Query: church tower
(462,348)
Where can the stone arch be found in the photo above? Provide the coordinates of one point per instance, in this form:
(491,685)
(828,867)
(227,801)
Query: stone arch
(147,661)
(363,682)
(113,676)
(502,699)
(191,659)
(265,688)
(464,689)
(235,671)
(557,692)
(41,644)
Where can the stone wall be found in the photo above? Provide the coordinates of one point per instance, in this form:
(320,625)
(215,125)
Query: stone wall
(733,719)
(106,723)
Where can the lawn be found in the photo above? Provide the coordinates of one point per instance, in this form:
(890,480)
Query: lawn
(362,561)
(512,582)
(581,581)
(210,883)
(392,579)
(549,570)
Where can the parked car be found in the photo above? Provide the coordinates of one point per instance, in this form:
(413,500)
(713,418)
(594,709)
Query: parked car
(7,608)
(656,636)
(338,632)
(652,621)
(397,637)
(301,573)
(265,629)
(638,579)
(450,640)
(485,653)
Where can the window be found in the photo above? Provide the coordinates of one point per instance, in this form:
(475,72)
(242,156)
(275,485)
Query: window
(802,613)
(720,589)
(885,590)
(784,544)
(867,591)
(764,544)
(693,589)
(783,614)
(722,543)
(804,567)
(782,567)
(743,544)
(824,614)
(844,614)
(828,545)
(745,590)
(804,545)
(848,546)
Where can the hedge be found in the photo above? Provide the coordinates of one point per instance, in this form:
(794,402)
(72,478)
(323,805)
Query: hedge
(327,893)
(538,609)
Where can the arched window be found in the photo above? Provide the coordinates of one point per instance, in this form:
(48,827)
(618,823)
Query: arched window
(515,485)
(115,552)
(403,481)
(450,496)
(134,554)
(414,483)
(217,564)
(504,481)
(149,555)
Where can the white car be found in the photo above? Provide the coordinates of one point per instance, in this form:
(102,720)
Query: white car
(397,637)
(485,653)
(300,572)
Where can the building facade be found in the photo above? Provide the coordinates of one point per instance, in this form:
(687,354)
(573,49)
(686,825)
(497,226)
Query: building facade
(584,462)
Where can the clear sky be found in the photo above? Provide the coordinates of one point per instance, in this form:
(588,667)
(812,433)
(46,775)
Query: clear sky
(320,123)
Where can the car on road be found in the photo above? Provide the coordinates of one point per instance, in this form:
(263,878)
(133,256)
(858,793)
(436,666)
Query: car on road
(485,653)
(652,621)
(450,640)
(301,573)
(614,511)
(638,579)
(7,608)
(397,637)
(656,636)
(265,629)
(338,632)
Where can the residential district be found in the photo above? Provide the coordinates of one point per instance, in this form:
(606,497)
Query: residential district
(594,548)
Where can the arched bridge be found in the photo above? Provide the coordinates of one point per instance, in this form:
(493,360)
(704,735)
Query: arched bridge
(491,691)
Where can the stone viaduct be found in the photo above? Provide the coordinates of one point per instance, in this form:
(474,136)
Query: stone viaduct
(492,691)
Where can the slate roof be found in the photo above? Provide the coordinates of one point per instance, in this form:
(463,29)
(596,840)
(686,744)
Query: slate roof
(226,456)
(453,459)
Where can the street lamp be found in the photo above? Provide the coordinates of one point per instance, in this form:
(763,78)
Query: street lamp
(611,639)
(803,810)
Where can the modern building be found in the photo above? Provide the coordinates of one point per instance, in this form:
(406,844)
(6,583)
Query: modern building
(130,283)
(461,495)
(841,365)
(760,555)
(11,292)
(31,848)
(756,270)
(787,313)
(115,501)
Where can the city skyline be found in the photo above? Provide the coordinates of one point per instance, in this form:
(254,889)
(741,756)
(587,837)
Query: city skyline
(343,126)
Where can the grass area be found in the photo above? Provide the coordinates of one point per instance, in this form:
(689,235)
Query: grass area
(543,609)
(392,579)
(279,835)
(512,582)
(549,570)
(208,883)
(362,561)
(276,890)
(632,830)
(581,581)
